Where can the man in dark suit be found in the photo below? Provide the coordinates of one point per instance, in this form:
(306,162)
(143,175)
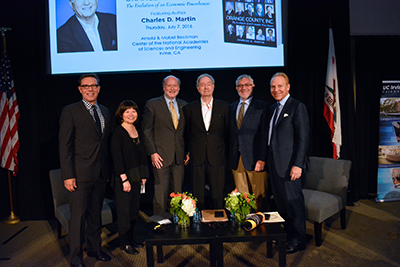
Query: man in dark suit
(83,143)
(249,10)
(87,30)
(287,159)
(248,141)
(229,10)
(163,125)
(206,128)
(230,34)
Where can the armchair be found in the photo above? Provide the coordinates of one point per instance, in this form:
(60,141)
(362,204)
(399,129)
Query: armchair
(325,192)
(61,204)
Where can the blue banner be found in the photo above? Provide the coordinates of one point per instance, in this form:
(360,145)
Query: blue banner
(389,143)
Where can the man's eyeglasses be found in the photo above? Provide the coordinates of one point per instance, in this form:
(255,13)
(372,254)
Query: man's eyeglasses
(244,85)
(87,86)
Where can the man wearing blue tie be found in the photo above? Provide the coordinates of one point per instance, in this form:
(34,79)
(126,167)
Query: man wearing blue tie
(288,138)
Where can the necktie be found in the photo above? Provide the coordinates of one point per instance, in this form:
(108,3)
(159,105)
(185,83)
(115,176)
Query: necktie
(240,116)
(273,122)
(97,119)
(173,115)
(275,117)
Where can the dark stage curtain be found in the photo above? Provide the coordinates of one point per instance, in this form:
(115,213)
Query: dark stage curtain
(41,97)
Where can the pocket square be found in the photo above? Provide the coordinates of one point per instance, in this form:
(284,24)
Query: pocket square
(285,115)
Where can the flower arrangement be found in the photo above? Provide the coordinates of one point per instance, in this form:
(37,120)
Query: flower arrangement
(184,206)
(240,204)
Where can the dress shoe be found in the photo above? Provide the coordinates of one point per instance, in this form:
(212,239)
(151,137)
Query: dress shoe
(99,255)
(130,249)
(293,248)
(78,265)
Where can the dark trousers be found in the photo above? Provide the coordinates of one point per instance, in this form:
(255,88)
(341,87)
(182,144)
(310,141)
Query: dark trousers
(289,199)
(215,176)
(85,204)
(128,204)
(168,179)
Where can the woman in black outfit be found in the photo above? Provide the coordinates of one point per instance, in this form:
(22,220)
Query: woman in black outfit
(130,162)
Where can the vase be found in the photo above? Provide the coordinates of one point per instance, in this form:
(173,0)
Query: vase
(240,218)
(184,221)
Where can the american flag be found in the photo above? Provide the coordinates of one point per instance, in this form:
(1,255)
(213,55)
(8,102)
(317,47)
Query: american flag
(9,117)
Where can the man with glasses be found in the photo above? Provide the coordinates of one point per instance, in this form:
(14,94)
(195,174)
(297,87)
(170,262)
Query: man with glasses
(83,141)
(248,141)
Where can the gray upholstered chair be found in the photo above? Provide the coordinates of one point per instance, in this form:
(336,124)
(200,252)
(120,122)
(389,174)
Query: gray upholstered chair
(325,192)
(61,204)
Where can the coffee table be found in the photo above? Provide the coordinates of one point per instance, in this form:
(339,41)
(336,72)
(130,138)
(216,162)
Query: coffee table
(223,233)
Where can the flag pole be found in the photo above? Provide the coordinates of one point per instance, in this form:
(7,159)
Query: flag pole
(12,219)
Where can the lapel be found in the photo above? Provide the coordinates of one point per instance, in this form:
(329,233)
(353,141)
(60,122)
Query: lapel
(80,35)
(165,110)
(106,122)
(214,113)
(248,114)
(232,113)
(88,117)
(181,116)
(199,114)
(285,110)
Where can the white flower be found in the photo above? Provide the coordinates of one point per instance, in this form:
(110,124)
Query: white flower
(187,206)
(234,194)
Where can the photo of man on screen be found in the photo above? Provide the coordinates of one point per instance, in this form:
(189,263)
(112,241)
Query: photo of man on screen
(269,13)
(229,8)
(240,31)
(249,10)
(230,35)
(239,9)
(270,35)
(87,30)
(259,10)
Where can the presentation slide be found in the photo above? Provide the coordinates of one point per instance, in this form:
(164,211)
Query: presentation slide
(150,35)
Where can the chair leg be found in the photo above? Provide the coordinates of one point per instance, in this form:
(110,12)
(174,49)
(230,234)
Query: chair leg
(59,230)
(318,234)
(343,222)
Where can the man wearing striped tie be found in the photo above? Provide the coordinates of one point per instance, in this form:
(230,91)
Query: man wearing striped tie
(248,141)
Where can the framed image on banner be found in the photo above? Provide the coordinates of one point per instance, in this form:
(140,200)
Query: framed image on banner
(389,143)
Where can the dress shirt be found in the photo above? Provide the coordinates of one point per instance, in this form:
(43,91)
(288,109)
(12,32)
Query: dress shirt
(246,106)
(92,32)
(206,110)
(174,103)
(88,106)
(282,104)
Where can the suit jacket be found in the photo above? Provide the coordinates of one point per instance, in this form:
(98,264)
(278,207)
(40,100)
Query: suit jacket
(289,141)
(83,149)
(207,145)
(251,139)
(71,37)
(161,136)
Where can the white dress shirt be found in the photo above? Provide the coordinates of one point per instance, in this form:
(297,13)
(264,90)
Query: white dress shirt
(206,110)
